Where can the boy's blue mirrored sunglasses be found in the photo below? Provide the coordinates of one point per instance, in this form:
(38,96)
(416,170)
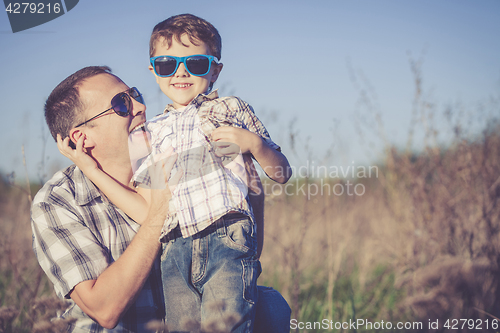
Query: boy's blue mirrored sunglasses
(197,64)
(121,104)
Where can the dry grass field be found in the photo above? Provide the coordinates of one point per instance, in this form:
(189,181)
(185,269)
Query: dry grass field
(421,243)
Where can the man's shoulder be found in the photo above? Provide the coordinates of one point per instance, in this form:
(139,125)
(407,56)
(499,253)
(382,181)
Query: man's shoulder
(56,195)
(61,183)
(68,187)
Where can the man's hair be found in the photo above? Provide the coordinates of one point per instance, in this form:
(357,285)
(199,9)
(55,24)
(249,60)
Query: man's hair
(195,27)
(63,108)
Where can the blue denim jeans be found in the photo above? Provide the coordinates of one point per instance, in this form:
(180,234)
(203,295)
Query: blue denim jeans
(211,277)
(272,312)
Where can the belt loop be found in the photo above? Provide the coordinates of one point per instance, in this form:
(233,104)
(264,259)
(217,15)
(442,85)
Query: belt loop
(221,227)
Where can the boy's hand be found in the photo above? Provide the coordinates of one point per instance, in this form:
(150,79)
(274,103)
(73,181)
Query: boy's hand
(247,141)
(272,161)
(78,156)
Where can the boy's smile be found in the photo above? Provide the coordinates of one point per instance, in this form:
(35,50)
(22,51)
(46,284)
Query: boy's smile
(183,87)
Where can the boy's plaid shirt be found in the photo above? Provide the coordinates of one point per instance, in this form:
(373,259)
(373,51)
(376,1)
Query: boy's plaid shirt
(207,190)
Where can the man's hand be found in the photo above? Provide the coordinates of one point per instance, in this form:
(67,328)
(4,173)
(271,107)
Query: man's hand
(162,184)
(78,156)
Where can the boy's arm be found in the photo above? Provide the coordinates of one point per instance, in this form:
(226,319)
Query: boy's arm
(131,202)
(273,162)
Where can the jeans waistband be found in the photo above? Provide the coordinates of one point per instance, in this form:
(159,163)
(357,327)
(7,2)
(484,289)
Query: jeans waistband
(219,223)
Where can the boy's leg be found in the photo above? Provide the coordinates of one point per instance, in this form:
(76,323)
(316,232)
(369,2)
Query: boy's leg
(182,300)
(228,277)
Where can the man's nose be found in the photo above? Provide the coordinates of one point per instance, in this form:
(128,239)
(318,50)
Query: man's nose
(137,107)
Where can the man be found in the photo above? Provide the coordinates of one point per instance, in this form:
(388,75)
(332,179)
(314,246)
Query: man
(95,255)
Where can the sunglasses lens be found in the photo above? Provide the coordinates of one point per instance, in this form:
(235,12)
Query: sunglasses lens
(165,66)
(198,65)
(135,94)
(120,104)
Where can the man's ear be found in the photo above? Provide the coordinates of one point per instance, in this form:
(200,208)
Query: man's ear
(217,70)
(76,133)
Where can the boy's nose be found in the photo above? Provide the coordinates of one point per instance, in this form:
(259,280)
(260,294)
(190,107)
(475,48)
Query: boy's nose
(181,70)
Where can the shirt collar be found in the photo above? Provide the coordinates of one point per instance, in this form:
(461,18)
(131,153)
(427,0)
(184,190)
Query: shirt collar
(197,101)
(85,190)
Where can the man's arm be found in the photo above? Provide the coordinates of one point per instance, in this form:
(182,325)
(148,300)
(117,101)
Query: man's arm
(109,296)
(106,298)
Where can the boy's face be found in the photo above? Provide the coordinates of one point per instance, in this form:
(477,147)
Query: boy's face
(183,87)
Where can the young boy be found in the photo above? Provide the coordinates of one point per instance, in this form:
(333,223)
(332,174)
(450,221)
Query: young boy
(209,263)
(184,53)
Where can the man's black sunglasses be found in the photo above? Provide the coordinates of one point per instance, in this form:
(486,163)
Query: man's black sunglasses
(121,104)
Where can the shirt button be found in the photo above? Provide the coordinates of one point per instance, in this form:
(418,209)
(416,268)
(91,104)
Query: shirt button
(182,136)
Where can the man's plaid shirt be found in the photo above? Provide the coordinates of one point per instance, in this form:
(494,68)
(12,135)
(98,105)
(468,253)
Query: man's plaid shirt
(77,234)
(207,190)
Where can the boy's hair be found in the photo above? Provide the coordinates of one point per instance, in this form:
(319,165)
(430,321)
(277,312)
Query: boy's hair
(63,108)
(196,28)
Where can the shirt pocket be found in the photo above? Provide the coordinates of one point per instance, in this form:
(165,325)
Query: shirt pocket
(215,120)
(162,139)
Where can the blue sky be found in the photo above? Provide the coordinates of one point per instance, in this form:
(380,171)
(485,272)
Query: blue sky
(293,61)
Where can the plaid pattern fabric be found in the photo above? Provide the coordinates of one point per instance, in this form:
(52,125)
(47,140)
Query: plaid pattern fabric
(77,234)
(208,190)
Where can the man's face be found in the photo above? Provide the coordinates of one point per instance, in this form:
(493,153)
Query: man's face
(108,135)
(183,87)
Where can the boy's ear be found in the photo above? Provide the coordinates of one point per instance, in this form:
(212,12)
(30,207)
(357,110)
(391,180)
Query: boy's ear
(217,70)
(76,133)
(152,70)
